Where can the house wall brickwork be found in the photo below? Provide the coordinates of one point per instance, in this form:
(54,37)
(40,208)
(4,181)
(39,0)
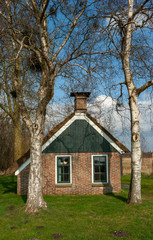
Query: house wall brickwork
(147,164)
(22,181)
(81,175)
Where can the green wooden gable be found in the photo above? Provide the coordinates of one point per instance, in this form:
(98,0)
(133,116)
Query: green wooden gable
(80,136)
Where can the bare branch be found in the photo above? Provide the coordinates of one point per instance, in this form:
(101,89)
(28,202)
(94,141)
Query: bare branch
(34,6)
(112,40)
(144,87)
(5,110)
(28,5)
(4,16)
(44,10)
(122,83)
(78,65)
(70,32)
(139,9)
(18,53)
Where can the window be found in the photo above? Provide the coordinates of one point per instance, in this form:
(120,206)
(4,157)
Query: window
(63,169)
(100,168)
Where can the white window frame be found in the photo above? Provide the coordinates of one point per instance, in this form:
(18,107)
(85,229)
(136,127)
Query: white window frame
(56,169)
(92,160)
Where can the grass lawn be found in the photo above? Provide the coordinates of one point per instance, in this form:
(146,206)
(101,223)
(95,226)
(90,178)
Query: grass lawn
(99,217)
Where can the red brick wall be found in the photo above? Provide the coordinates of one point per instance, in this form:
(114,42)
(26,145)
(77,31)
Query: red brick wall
(81,175)
(22,181)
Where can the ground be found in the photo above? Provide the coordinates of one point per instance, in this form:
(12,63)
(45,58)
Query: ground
(77,217)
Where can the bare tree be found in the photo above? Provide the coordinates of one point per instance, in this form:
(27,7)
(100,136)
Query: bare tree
(53,34)
(9,104)
(6,147)
(127,30)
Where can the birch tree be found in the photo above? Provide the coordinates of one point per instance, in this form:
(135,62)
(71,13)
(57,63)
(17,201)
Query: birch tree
(53,34)
(127,29)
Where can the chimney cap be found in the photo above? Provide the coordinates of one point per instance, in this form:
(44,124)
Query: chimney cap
(75,94)
(80,101)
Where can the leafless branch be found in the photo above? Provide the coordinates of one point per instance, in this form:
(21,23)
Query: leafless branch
(139,9)
(78,65)
(44,10)
(70,32)
(144,87)
(5,110)
(29,5)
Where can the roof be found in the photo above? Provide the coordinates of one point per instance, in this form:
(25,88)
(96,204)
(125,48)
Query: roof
(108,134)
(56,131)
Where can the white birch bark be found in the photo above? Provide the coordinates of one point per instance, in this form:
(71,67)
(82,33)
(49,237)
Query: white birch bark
(35,199)
(135,186)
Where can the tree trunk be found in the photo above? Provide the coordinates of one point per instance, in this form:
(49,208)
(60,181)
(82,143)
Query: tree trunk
(35,199)
(135,185)
(17,139)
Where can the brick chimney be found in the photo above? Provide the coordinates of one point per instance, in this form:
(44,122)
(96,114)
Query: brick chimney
(80,101)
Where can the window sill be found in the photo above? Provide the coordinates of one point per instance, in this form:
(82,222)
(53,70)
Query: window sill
(100,184)
(63,185)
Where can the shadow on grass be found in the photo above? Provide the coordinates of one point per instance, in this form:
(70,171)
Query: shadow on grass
(9,184)
(24,198)
(119,197)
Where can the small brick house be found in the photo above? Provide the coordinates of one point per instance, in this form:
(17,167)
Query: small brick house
(79,156)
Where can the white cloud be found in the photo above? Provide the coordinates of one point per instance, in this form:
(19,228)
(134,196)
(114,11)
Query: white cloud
(118,123)
(105,110)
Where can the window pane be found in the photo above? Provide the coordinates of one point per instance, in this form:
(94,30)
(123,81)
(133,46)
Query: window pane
(96,169)
(100,171)
(99,160)
(66,169)
(59,178)
(103,177)
(63,161)
(60,161)
(66,161)
(66,178)
(97,177)
(63,169)
(59,170)
(102,159)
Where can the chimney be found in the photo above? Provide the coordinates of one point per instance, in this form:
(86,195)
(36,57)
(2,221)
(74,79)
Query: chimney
(80,101)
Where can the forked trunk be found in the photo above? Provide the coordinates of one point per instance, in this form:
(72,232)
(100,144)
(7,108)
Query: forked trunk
(35,199)
(135,185)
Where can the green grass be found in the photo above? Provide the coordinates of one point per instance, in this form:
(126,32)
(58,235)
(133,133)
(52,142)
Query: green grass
(76,217)
(147,186)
